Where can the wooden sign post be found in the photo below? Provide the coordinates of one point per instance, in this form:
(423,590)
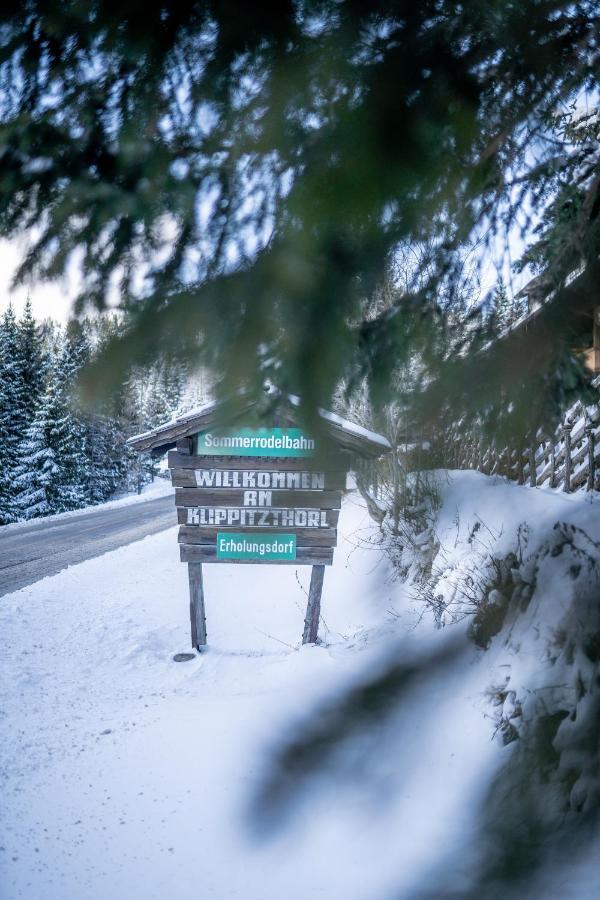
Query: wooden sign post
(197,611)
(313,608)
(257,495)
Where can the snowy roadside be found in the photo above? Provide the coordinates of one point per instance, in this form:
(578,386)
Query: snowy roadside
(160,487)
(126,774)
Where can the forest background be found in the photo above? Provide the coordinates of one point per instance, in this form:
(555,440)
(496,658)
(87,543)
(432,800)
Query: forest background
(57,454)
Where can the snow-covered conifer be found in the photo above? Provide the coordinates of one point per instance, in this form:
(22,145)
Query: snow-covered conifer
(13,413)
(31,361)
(53,470)
(505,310)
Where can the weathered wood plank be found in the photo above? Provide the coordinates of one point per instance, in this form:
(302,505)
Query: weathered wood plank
(313,608)
(183,478)
(581,477)
(552,466)
(591,461)
(342,433)
(558,445)
(187,514)
(185,446)
(247,478)
(184,426)
(334,464)
(532,468)
(305,537)
(197,612)
(227,497)
(308,556)
(567,429)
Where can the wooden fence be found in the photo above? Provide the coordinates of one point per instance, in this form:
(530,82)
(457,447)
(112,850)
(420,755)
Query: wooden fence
(568,459)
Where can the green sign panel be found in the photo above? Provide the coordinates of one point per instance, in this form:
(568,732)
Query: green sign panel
(255,442)
(236,545)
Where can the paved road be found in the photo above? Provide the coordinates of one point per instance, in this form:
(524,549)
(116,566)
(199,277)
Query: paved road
(42,548)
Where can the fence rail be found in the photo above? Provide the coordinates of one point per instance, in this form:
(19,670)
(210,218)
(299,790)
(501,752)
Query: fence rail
(568,459)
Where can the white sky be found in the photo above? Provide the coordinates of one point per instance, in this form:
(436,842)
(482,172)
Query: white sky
(49,300)
(55,299)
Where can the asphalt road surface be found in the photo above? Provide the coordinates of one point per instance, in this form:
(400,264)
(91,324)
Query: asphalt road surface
(44,547)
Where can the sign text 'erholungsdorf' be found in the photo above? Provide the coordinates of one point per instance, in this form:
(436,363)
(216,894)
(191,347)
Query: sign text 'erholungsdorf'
(233,545)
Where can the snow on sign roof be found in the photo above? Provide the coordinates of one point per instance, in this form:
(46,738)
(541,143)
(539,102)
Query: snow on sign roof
(348,435)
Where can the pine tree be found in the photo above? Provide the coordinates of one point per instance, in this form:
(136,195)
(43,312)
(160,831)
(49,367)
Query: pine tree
(67,455)
(105,457)
(53,471)
(21,373)
(31,361)
(312,186)
(13,412)
(38,471)
(505,310)
(158,406)
(79,462)
(122,415)
(174,378)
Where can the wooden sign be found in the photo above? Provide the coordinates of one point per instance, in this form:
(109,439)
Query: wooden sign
(257,495)
(254,496)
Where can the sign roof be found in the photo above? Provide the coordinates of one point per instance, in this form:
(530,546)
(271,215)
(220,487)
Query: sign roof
(346,434)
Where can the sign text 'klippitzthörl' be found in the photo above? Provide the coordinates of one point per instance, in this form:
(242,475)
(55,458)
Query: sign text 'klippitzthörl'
(257,518)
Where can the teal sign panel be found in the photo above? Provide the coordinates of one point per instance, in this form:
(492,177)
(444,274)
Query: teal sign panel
(255,442)
(236,545)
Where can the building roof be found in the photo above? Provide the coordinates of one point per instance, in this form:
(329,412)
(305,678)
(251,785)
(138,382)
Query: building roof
(347,435)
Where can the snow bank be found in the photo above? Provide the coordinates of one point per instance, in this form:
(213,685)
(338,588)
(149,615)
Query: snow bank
(472,497)
(521,567)
(128,774)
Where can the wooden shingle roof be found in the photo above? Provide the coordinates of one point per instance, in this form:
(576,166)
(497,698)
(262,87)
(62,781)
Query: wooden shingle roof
(346,434)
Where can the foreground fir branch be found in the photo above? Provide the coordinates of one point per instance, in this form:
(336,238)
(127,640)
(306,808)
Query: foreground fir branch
(243,174)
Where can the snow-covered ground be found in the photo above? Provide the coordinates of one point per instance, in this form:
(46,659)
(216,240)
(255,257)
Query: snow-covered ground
(126,774)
